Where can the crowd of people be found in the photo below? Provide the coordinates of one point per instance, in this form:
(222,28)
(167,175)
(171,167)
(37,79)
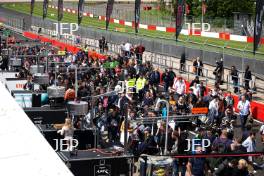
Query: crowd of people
(144,85)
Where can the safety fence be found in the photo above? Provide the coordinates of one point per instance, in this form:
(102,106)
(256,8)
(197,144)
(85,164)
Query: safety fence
(168,51)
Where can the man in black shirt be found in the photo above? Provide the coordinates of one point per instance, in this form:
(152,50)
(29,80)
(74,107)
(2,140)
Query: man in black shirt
(182,62)
(234,77)
(247,77)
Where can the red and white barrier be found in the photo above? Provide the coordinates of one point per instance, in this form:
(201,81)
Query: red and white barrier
(221,35)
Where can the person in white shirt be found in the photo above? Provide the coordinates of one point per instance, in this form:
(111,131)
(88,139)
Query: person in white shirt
(127,49)
(67,131)
(250,144)
(179,86)
(196,89)
(214,109)
(244,110)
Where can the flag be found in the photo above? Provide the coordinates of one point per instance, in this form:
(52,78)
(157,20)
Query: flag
(137,14)
(204,7)
(109,9)
(258,24)
(32,7)
(80,11)
(45,8)
(187,9)
(60,10)
(179,17)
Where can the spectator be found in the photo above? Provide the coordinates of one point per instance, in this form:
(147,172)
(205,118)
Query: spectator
(102,44)
(191,96)
(214,109)
(179,86)
(140,49)
(172,75)
(154,78)
(181,106)
(222,144)
(242,168)
(182,62)
(178,147)
(166,80)
(148,146)
(246,132)
(247,77)
(198,67)
(197,166)
(127,49)
(234,77)
(203,89)
(69,94)
(196,80)
(244,110)
(227,168)
(218,72)
(229,100)
(250,144)
(29,84)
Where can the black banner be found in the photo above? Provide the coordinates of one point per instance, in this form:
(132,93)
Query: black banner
(180,7)
(45,8)
(80,11)
(32,6)
(109,9)
(137,14)
(258,24)
(60,10)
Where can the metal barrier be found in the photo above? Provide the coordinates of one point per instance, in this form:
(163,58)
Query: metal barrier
(166,53)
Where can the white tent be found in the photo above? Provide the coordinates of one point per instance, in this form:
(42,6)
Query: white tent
(23,149)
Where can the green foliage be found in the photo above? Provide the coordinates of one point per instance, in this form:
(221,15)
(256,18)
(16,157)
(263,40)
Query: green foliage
(220,8)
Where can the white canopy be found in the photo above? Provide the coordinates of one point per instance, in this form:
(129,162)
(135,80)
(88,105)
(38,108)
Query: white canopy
(23,149)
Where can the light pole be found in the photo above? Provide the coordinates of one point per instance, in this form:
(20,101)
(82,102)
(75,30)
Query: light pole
(167,122)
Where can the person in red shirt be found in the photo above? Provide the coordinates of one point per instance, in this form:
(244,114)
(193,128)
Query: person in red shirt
(139,50)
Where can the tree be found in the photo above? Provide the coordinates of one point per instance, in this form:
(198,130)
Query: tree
(220,8)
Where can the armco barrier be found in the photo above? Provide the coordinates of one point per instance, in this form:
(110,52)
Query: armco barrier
(257,108)
(56,43)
